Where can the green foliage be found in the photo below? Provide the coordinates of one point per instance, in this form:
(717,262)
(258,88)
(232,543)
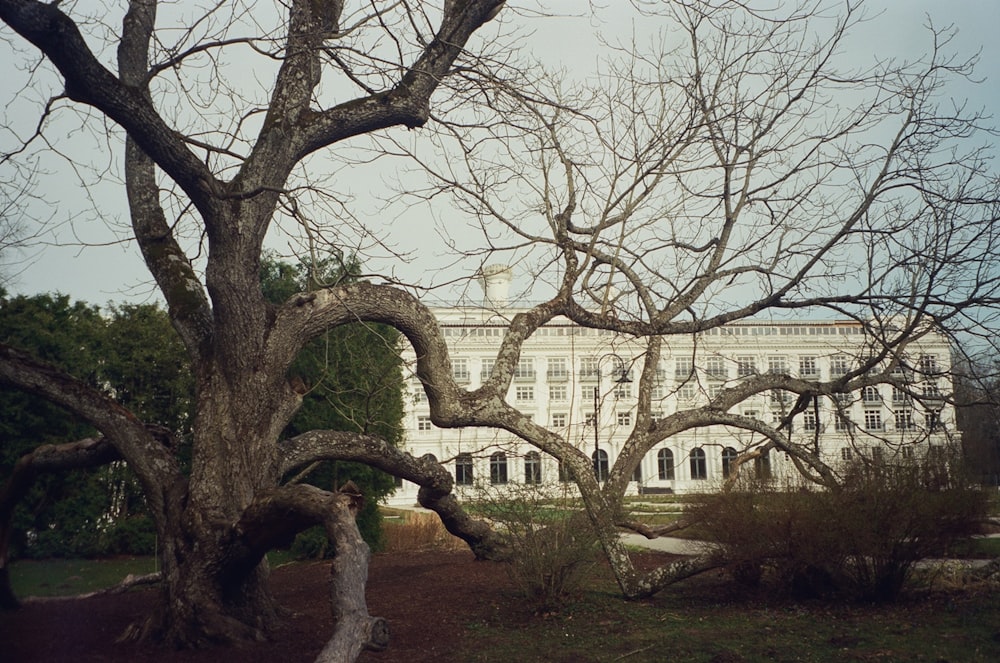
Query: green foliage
(860,540)
(353,374)
(133,354)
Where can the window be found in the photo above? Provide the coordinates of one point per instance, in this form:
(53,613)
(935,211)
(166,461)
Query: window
(686,392)
(904,419)
(699,468)
(424,424)
(637,473)
(532,468)
(656,416)
(845,453)
(780,396)
(624,418)
(933,419)
(808,368)
(665,464)
(463,470)
(623,390)
(683,368)
(929,365)
(777,365)
(778,419)
(558,420)
(524,394)
(762,465)
(842,398)
(840,365)
(871,395)
(728,460)
(843,423)
(498,468)
(877,454)
(906,452)
(873,420)
(460,370)
(900,396)
(525,370)
(746,366)
(809,421)
(557,371)
(557,392)
(486,369)
(600,458)
(589,419)
(715,368)
(564,473)
(419,395)
(589,369)
(931,391)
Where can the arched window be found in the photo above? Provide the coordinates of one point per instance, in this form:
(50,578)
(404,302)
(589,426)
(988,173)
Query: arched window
(532,467)
(665,464)
(699,468)
(463,470)
(564,472)
(728,461)
(762,465)
(600,458)
(498,468)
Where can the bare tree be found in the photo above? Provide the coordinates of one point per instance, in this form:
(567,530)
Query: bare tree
(735,175)
(229,178)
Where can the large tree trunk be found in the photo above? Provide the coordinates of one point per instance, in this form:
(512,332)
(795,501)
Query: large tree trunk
(212,594)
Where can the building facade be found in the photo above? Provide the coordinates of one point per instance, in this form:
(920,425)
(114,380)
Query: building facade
(582,384)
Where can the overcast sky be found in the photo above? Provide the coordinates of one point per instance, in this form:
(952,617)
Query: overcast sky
(97,264)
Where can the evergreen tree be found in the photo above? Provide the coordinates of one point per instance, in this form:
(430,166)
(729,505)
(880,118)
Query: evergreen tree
(353,379)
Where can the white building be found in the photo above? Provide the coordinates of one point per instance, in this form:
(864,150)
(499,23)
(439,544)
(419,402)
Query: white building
(562,365)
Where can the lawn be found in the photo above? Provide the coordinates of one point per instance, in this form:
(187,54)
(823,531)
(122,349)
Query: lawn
(710,620)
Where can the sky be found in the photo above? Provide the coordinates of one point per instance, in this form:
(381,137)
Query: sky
(89,256)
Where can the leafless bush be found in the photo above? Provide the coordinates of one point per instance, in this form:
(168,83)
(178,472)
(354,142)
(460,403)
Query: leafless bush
(861,540)
(553,545)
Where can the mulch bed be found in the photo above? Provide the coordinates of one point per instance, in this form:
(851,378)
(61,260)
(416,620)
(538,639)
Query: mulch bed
(428,598)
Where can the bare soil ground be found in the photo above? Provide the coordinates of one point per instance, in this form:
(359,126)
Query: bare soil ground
(428,597)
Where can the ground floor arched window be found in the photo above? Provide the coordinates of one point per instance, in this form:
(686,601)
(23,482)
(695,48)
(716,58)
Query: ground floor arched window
(728,461)
(665,464)
(600,458)
(762,465)
(463,470)
(498,468)
(532,468)
(699,468)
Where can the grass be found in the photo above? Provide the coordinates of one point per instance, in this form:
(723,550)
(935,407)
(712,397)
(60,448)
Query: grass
(709,620)
(66,577)
(69,577)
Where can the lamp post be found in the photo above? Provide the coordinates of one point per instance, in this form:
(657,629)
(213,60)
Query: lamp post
(621,377)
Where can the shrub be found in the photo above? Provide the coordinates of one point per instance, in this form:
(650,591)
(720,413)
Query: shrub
(553,547)
(861,539)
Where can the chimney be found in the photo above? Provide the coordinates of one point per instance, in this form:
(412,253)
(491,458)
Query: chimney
(495,280)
